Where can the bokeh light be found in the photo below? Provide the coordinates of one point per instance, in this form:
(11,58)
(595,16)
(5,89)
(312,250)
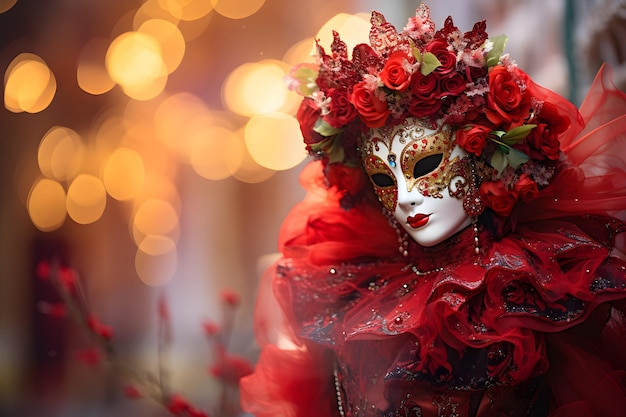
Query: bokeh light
(161,186)
(187,9)
(124,174)
(91,73)
(138,121)
(237,9)
(108,132)
(154,216)
(302,51)
(134,61)
(177,120)
(216,153)
(151,9)
(86,199)
(29,85)
(6,5)
(258,88)
(156,245)
(249,171)
(156,270)
(46,205)
(61,153)
(170,40)
(354,29)
(273,141)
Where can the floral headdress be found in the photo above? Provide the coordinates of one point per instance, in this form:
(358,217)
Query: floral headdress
(508,123)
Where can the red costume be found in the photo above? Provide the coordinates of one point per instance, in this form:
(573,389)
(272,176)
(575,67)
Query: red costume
(529,324)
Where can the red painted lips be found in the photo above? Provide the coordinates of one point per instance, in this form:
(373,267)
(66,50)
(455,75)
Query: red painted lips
(418,220)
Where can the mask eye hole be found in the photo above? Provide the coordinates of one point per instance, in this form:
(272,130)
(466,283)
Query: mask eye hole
(382,180)
(426,165)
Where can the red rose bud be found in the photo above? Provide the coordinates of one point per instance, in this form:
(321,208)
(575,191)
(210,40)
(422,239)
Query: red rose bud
(423,107)
(192,412)
(452,85)
(177,405)
(472,138)
(67,278)
(341,111)
(102,330)
(43,270)
(230,297)
(395,75)
(57,310)
(507,105)
(130,391)
(90,357)
(526,188)
(544,138)
(231,368)
(439,48)
(307,116)
(372,110)
(424,86)
(498,197)
(162,308)
(210,328)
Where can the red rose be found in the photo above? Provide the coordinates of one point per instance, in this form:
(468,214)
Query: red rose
(526,188)
(372,110)
(345,178)
(474,73)
(423,107)
(544,138)
(543,143)
(452,85)
(307,116)
(394,75)
(498,197)
(473,138)
(506,103)
(424,86)
(341,111)
(439,48)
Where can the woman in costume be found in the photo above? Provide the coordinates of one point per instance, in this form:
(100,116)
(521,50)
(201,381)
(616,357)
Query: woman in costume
(458,252)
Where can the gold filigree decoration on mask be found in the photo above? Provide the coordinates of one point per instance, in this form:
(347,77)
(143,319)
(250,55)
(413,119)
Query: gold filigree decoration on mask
(427,166)
(386,191)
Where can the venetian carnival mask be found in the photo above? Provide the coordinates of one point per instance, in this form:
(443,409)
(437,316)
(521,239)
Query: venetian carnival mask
(420,176)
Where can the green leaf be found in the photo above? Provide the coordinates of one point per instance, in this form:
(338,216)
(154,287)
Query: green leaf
(516,158)
(499,161)
(323,128)
(429,63)
(504,156)
(331,147)
(512,156)
(517,134)
(334,149)
(416,52)
(497,133)
(321,146)
(493,56)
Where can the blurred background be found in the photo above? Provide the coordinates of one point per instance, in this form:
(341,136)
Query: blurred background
(151,146)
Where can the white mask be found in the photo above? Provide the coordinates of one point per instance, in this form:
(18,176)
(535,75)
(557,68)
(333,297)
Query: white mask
(420,176)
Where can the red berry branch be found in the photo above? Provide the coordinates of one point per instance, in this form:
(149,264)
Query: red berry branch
(226,367)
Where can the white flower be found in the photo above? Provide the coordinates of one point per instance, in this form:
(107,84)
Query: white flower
(321,101)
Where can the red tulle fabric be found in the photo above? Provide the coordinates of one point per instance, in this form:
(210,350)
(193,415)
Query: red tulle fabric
(532,326)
